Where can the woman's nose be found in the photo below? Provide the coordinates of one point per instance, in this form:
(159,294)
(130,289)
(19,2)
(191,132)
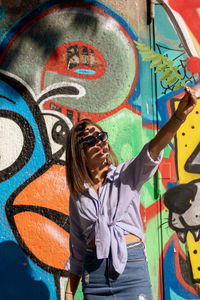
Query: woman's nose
(100,142)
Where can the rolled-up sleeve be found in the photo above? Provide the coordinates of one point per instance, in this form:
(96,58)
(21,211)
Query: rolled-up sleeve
(138,170)
(76,241)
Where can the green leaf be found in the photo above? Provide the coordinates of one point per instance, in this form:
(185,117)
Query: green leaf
(143,49)
(160,68)
(169,63)
(156,62)
(145,53)
(175,69)
(149,57)
(161,64)
(170,79)
(164,58)
(165,75)
(177,86)
(138,42)
(183,83)
(140,46)
(178,76)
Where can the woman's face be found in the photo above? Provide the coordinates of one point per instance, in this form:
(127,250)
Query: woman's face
(97,152)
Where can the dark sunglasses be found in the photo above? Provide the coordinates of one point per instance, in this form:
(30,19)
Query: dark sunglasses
(91,140)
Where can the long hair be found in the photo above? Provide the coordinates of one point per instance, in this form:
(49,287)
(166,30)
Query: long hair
(77,171)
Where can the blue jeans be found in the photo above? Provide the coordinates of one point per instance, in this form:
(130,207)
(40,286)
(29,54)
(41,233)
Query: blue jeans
(100,280)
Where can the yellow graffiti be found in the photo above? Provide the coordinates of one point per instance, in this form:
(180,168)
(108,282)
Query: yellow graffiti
(187,139)
(194,253)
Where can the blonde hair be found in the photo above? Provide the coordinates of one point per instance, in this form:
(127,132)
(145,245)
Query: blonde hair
(77,171)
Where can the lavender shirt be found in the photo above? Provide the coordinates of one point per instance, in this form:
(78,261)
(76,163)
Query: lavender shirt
(115,211)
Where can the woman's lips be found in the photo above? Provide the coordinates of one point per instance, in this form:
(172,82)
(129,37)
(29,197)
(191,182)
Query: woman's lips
(103,149)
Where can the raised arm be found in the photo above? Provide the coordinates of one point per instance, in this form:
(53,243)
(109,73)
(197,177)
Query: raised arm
(168,131)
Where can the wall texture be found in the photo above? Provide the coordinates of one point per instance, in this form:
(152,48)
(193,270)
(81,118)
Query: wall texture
(61,61)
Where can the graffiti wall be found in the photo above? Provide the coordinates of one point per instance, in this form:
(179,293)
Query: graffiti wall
(64,60)
(177,36)
(60,61)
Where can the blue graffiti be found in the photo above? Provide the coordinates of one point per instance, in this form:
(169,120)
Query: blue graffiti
(18,105)
(171,284)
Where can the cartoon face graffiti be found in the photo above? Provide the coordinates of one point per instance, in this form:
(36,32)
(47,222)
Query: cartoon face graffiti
(61,73)
(93,50)
(37,206)
(183,203)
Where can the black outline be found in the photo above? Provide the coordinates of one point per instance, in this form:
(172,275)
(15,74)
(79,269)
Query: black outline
(193,168)
(51,214)
(56,156)
(4,97)
(28,146)
(65,90)
(16,84)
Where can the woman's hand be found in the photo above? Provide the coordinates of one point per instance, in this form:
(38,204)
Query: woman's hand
(186,105)
(168,131)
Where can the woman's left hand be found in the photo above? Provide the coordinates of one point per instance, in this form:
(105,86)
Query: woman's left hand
(168,131)
(187,104)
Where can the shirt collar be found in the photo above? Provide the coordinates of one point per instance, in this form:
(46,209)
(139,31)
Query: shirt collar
(109,176)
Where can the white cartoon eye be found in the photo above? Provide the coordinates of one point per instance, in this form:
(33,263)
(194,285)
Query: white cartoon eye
(57,126)
(11,142)
(17,142)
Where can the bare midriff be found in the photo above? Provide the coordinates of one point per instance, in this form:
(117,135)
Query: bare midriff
(129,238)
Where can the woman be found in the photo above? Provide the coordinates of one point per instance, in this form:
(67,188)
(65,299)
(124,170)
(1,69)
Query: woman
(105,224)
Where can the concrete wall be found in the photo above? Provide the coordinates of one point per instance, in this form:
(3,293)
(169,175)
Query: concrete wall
(62,61)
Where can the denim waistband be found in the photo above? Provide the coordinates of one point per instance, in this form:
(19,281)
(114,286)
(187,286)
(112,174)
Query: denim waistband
(131,245)
(135,244)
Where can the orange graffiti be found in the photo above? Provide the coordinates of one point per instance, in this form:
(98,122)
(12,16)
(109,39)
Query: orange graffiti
(48,190)
(45,239)
(42,217)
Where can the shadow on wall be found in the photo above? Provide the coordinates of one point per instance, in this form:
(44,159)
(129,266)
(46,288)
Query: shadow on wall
(42,37)
(16,281)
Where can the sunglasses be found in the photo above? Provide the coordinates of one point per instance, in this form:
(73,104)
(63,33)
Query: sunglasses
(91,140)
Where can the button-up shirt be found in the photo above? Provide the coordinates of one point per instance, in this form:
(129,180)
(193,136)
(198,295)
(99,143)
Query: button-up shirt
(115,211)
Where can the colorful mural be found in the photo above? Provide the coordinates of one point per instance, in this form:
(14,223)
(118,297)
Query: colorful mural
(64,60)
(51,76)
(181,239)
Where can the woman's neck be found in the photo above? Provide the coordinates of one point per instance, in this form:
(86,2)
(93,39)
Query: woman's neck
(98,175)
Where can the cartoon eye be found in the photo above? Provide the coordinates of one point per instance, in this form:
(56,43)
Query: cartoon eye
(17,143)
(58,126)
